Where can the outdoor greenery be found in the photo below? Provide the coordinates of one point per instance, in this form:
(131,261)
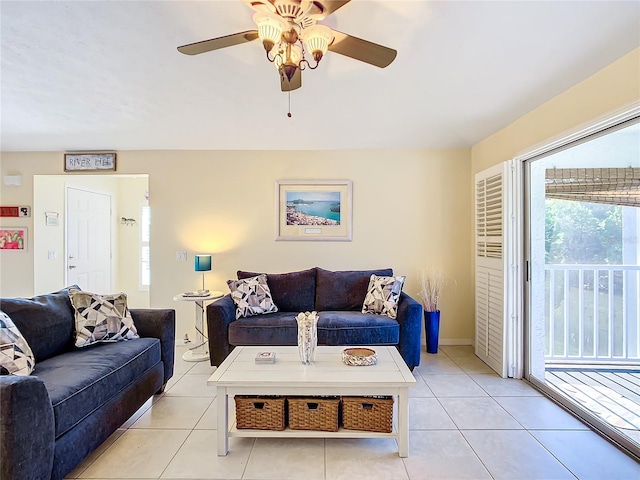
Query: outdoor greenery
(579,232)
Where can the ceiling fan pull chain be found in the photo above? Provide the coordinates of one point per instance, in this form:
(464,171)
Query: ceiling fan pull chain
(289,113)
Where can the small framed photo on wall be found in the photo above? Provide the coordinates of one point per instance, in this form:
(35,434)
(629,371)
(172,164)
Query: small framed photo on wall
(13,239)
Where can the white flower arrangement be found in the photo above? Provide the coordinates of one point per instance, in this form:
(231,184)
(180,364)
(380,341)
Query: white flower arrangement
(432,281)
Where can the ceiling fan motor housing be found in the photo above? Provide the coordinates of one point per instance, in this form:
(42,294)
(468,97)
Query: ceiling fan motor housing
(304,13)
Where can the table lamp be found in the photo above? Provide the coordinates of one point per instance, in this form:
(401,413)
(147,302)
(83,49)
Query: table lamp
(203,264)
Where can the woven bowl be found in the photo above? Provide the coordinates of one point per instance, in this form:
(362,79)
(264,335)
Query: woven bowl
(359,357)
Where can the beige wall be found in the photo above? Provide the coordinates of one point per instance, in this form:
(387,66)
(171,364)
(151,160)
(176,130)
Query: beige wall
(410,210)
(131,197)
(613,87)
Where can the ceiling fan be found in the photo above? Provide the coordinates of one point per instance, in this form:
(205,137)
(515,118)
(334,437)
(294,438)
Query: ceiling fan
(289,31)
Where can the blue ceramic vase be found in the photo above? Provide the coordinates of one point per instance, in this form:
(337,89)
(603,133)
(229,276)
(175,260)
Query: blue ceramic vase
(432,329)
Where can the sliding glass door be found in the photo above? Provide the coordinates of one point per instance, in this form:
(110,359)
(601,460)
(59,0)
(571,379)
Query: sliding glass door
(583,295)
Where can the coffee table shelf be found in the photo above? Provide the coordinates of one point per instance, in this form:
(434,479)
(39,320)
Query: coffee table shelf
(289,433)
(239,375)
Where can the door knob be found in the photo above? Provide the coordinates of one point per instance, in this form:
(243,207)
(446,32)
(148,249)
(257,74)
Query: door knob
(71,267)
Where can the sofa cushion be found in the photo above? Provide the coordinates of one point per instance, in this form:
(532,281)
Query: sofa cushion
(79,382)
(45,321)
(355,328)
(334,328)
(251,296)
(274,329)
(383,295)
(16,358)
(101,318)
(291,292)
(343,290)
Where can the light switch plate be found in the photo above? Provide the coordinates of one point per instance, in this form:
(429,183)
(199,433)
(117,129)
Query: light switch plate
(181,255)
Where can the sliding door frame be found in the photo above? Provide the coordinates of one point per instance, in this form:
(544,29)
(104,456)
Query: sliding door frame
(622,118)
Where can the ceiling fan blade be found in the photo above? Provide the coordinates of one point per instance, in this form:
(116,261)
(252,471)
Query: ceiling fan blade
(362,50)
(330,6)
(217,43)
(287,85)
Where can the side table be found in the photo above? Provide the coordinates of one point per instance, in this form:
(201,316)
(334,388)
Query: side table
(200,352)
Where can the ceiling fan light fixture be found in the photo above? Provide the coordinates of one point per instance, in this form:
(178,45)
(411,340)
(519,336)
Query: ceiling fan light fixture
(270,28)
(290,35)
(317,40)
(286,54)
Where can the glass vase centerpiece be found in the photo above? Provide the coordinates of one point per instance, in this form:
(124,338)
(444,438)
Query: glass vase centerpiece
(307,336)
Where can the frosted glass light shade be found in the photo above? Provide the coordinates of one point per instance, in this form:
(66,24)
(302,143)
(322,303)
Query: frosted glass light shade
(270,28)
(317,39)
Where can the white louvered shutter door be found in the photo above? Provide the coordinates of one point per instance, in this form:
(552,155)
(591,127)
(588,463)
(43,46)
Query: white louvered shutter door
(490,272)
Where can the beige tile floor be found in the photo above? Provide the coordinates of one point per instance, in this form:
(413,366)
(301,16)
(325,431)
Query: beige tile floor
(466,423)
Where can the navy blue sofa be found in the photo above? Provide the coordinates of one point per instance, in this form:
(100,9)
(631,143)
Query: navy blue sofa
(336,296)
(75,398)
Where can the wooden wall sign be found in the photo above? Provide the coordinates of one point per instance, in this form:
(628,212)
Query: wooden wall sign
(89,162)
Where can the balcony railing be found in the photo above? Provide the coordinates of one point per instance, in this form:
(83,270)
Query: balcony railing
(592,313)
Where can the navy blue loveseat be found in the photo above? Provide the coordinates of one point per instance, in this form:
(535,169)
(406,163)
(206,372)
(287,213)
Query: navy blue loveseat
(336,296)
(75,398)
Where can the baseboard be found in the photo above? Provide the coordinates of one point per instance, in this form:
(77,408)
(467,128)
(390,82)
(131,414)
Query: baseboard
(453,341)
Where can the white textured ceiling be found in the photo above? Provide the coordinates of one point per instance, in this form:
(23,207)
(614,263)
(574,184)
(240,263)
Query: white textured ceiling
(94,75)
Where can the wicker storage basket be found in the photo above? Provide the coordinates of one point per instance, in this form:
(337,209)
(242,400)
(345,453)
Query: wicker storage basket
(373,414)
(313,413)
(260,413)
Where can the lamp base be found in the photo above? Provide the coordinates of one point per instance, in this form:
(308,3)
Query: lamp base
(191,356)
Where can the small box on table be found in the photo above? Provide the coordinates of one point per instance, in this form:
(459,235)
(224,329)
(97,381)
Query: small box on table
(265,357)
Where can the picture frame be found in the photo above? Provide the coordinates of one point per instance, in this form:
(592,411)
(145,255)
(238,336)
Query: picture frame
(314,210)
(13,239)
(90,162)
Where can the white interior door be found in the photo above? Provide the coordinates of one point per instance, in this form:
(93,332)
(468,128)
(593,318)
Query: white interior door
(88,242)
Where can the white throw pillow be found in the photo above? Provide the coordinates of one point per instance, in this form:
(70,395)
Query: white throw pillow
(383,295)
(101,318)
(251,296)
(16,357)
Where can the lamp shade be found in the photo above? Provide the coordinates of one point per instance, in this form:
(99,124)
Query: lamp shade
(317,40)
(203,263)
(270,28)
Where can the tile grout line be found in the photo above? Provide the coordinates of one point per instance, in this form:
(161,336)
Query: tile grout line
(460,431)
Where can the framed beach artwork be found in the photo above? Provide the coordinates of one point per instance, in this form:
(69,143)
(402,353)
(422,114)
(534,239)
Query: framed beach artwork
(14,239)
(314,210)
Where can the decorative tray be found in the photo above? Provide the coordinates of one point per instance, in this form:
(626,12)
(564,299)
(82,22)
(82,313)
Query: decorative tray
(359,357)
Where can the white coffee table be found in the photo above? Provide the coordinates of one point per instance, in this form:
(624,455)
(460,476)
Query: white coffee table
(239,375)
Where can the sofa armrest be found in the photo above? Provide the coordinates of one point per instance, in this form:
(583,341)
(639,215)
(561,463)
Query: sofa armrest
(26,428)
(161,324)
(219,315)
(410,320)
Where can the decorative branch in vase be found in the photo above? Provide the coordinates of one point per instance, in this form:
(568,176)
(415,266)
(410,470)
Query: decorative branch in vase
(432,282)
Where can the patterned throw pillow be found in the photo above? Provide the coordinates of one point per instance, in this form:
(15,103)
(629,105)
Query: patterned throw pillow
(101,318)
(251,296)
(383,295)
(16,357)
